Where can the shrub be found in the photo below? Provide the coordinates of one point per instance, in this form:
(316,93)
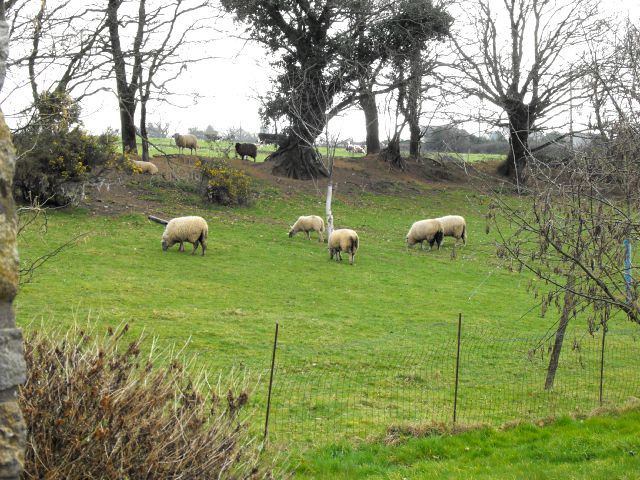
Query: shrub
(223,184)
(96,408)
(54,157)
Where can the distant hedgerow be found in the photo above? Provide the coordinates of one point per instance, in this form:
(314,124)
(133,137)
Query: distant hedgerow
(223,184)
(96,408)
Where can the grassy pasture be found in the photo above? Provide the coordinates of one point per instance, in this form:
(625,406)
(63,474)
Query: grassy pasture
(596,448)
(387,321)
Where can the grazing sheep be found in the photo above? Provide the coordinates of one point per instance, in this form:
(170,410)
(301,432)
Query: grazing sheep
(430,230)
(247,150)
(310,223)
(349,147)
(185,229)
(186,141)
(358,149)
(454,226)
(146,167)
(343,240)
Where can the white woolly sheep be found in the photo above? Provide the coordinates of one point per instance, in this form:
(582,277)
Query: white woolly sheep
(358,149)
(430,230)
(306,224)
(454,226)
(343,240)
(146,167)
(186,229)
(186,141)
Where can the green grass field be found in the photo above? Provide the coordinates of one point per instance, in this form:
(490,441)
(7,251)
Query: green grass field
(605,448)
(361,348)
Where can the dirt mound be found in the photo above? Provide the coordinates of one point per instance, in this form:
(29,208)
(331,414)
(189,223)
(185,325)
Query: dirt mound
(120,192)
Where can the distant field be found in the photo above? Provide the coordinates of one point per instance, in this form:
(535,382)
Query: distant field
(218,150)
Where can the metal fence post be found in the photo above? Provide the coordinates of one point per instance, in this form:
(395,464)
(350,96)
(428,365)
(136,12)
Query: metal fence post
(455,394)
(273,362)
(604,334)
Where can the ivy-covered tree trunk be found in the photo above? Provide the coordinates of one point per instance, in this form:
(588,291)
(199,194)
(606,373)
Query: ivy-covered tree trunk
(299,158)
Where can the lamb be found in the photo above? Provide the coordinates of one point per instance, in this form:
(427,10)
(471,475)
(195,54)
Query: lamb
(145,167)
(184,229)
(454,226)
(186,141)
(247,150)
(430,230)
(308,224)
(343,240)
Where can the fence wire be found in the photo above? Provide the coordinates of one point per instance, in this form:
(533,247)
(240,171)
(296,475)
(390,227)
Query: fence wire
(351,391)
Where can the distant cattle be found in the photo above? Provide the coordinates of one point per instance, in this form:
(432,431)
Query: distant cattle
(276,139)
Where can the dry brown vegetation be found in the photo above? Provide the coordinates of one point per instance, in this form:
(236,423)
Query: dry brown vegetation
(96,407)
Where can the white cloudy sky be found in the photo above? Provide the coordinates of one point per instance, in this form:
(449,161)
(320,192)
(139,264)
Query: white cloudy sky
(228,86)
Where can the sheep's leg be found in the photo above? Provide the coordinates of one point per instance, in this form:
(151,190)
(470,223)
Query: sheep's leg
(351,258)
(203,244)
(339,255)
(308,235)
(195,247)
(181,247)
(320,237)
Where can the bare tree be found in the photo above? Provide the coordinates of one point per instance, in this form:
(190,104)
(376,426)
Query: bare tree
(517,60)
(57,45)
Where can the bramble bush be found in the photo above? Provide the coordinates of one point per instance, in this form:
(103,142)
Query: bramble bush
(96,408)
(55,155)
(223,184)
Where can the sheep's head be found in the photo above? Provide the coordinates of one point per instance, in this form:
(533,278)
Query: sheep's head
(165,245)
(291,232)
(176,135)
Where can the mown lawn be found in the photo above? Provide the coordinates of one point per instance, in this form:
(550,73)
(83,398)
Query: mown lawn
(606,447)
(361,347)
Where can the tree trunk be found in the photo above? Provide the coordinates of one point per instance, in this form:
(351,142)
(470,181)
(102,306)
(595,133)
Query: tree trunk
(127,124)
(126,92)
(296,160)
(413,99)
(416,137)
(299,159)
(515,166)
(370,109)
(562,328)
(143,129)
(391,154)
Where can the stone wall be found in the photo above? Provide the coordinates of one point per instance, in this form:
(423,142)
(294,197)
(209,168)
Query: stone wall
(12,366)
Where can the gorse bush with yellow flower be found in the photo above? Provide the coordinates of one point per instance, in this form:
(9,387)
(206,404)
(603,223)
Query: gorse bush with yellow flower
(223,184)
(55,154)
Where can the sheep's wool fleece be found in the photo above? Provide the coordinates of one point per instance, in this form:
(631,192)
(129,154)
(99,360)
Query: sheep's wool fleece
(185,229)
(453,225)
(424,230)
(310,222)
(342,238)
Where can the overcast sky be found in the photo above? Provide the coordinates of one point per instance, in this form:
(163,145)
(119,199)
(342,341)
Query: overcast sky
(227,88)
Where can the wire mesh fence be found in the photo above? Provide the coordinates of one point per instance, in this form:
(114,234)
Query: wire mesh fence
(350,391)
(357,393)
